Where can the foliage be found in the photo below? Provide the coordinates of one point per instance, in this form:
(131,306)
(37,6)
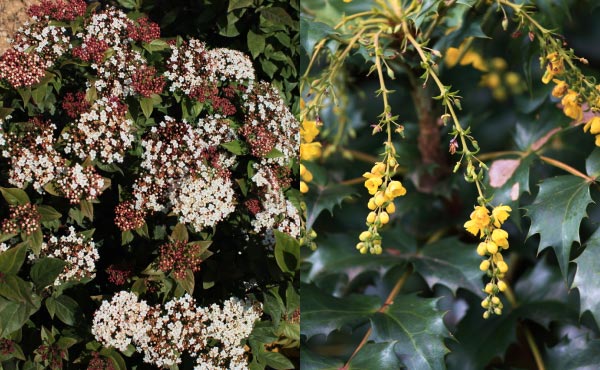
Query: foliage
(149,166)
(466,124)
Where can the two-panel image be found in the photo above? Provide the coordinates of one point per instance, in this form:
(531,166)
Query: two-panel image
(300,184)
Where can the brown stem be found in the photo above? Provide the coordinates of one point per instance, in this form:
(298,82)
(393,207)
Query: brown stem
(429,140)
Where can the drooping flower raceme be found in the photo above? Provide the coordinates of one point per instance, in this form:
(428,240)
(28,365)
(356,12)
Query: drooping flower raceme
(488,228)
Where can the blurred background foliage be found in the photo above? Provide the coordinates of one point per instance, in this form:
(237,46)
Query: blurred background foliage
(509,110)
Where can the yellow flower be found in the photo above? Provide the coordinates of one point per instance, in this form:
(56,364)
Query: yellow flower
(502,266)
(371,217)
(474,59)
(391,208)
(310,151)
(491,247)
(384,218)
(560,89)
(378,169)
(480,219)
(482,249)
(395,189)
(500,214)
(380,198)
(485,265)
(571,106)
(309,131)
(499,63)
(512,79)
(593,125)
(555,67)
(502,285)
(451,57)
(500,237)
(303,187)
(373,184)
(305,174)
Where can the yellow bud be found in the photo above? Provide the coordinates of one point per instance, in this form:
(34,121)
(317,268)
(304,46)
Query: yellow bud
(484,265)
(489,288)
(378,169)
(380,198)
(502,266)
(371,217)
(302,169)
(365,235)
(377,249)
(371,205)
(392,162)
(360,245)
(377,242)
(391,208)
(363,250)
(486,315)
(384,218)
(501,285)
(495,300)
(498,311)
(491,247)
(307,176)
(481,249)
(485,303)
(303,187)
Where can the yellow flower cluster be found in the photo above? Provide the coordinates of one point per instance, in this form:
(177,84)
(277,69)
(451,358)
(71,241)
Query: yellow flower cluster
(488,227)
(381,204)
(309,150)
(554,68)
(501,81)
(469,57)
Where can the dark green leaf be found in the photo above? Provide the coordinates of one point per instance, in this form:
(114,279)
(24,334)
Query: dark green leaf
(277,361)
(45,271)
(313,32)
(256,43)
(313,361)
(321,198)
(234,147)
(586,277)
(187,283)
(12,259)
(126,237)
(48,213)
(87,209)
(66,309)
(180,233)
(155,45)
(14,196)
(16,289)
(12,316)
(323,313)
(376,356)
(35,240)
(278,16)
(147,106)
(418,328)
(239,4)
(450,263)
(287,252)
(592,164)
(557,213)
(580,353)
(127,4)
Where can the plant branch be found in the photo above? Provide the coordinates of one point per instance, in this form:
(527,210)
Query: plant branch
(566,167)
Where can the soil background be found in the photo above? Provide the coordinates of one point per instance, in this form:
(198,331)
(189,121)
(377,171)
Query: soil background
(13,13)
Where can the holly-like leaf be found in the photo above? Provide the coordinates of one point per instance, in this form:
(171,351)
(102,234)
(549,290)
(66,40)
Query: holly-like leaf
(556,215)
(323,313)
(418,328)
(313,361)
(450,263)
(319,199)
(312,32)
(580,353)
(586,277)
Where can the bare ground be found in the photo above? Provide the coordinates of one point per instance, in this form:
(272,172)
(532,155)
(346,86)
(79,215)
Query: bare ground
(12,15)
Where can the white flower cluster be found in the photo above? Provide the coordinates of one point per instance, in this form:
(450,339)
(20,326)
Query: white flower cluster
(277,212)
(80,256)
(213,335)
(231,65)
(32,161)
(76,183)
(267,112)
(229,326)
(104,132)
(188,66)
(203,199)
(109,26)
(48,41)
(121,321)
(215,130)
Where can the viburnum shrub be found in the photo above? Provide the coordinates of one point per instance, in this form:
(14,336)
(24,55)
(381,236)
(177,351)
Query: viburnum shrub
(149,214)
(427,121)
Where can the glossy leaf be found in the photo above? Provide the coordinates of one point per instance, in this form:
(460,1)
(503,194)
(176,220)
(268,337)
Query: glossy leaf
(586,276)
(287,252)
(12,259)
(417,327)
(322,313)
(45,271)
(557,213)
(320,199)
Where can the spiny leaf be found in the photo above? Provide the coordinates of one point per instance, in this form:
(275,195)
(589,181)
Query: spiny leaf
(557,213)
(319,199)
(586,277)
(322,313)
(418,328)
(313,361)
(580,353)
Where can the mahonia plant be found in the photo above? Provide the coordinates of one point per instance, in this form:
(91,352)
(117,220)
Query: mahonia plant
(155,167)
